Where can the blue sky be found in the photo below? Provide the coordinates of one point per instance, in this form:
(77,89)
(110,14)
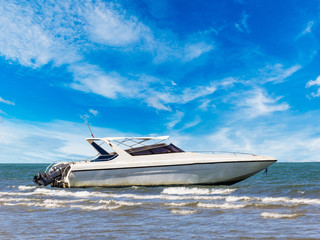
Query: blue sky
(240,75)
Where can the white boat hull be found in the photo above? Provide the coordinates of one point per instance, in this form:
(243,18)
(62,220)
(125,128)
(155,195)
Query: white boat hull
(222,173)
(158,164)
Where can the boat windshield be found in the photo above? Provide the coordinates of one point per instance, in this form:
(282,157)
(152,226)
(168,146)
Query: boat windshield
(154,149)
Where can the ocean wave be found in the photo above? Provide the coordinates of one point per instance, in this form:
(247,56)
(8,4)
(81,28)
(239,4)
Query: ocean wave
(181,204)
(240,198)
(24,188)
(119,203)
(35,204)
(65,193)
(16,199)
(221,206)
(183,212)
(279,215)
(273,205)
(195,191)
(291,200)
(95,208)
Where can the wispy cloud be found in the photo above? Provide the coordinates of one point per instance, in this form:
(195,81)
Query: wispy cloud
(6,101)
(206,105)
(94,112)
(193,51)
(92,79)
(242,25)
(276,73)
(108,24)
(175,119)
(287,138)
(258,103)
(193,123)
(30,37)
(162,99)
(46,142)
(314,83)
(3,113)
(308,28)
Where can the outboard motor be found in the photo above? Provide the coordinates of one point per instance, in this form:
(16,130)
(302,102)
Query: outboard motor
(52,176)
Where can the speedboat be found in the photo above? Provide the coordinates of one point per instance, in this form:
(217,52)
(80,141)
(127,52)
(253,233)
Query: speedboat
(149,161)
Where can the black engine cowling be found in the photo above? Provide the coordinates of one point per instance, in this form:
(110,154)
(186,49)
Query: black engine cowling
(53,175)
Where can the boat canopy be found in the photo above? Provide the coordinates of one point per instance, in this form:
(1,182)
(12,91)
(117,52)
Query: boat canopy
(133,146)
(129,142)
(130,138)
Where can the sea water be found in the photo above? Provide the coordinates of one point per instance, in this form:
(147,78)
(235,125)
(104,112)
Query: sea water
(283,204)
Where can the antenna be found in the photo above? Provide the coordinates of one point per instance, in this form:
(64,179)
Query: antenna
(85,118)
(89,128)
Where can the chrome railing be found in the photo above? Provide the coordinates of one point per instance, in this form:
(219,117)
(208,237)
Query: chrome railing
(224,152)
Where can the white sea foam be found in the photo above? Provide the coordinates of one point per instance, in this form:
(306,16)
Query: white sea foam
(183,212)
(86,194)
(221,206)
(16,199)
(35,204)
(120,203)
(58,201)
(291,200)
(191,197)
(180,204)
(235,199)
(65,193)
(279,215)
(24,188)
(95,208)
(14,194)
(195,191)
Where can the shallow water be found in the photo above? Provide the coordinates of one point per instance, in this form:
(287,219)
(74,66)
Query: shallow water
(283,204)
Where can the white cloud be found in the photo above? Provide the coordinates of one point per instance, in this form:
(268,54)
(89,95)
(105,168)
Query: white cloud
(6,101)
(242,25)
(205,105)
(228,82)
(314,83)
(109,25)
(190,94)
(94,112)
(175,119)
(47,142)
(278,139)
(3,113)
(156,103)
(23,40)
(159,99)
(92,79)
(308,28)
(192,123)
(193,51)
(30,37)
(276,73)
(259,103)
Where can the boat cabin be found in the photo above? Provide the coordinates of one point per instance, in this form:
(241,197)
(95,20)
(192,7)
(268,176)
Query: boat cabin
(133,146)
